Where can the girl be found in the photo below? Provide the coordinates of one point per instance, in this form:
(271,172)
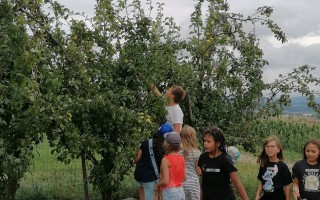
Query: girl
(146,174)
(274,174)
(306,173)
(217,169)
(172,170)
(191,155)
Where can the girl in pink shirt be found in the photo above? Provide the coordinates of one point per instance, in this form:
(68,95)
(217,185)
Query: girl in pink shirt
(172,170)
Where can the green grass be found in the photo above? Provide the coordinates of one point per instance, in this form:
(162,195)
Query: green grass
(248,170)
(50,179)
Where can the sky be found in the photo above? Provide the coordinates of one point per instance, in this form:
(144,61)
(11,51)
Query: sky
(299,19)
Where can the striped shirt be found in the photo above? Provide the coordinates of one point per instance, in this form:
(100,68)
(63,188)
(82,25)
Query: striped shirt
(191,186)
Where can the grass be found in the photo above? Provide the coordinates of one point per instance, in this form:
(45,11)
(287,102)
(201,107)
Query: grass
(248,169)
(50,179)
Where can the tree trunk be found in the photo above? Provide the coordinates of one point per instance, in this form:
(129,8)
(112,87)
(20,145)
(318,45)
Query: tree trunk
(12,188)
(106,195)
(84,177)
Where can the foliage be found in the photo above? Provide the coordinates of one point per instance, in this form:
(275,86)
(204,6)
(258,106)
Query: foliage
(85,82)
(226,64)
(292,133)
(19,108)
(297,81)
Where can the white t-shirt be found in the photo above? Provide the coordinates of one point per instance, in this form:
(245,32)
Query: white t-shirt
(174,115)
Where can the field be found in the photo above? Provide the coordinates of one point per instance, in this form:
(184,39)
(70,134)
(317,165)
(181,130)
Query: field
(50,179)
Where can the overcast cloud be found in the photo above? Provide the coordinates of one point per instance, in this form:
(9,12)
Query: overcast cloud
(299,19)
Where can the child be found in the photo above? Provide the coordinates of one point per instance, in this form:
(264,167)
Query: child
(217,169)
(306,173)
(172,170)
(175,94)
(274,174)
(191,155)
(145,173)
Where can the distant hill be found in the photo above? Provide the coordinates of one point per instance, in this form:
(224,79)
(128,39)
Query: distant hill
(299,105)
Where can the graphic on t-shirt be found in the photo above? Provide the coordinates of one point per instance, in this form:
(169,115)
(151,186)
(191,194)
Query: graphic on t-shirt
(311,180)
(268,175)
(311,183)
(205,169)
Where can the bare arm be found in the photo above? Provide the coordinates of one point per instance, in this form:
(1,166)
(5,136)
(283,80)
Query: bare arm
(259,190)
(238,185)
(138,156)
(155,89)
(184,176)
(176,127)
(164,173)
(198,170)
(296,192)
(286,189)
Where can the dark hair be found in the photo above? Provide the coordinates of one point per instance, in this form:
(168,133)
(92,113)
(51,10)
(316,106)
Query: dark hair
(178,92)
(314,142)
(173,148)
(263,157)
(218,136)
(158,140)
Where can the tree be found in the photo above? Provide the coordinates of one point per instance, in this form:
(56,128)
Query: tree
(89,82)
(227,64)
(92,83)
(19,106)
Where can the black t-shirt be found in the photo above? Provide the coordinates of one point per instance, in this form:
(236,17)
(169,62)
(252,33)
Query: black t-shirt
(144,171)
(274,176)
(216,171)
(309,179)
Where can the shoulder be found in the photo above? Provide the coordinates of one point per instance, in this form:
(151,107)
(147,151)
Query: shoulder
(195,153)
(174,108)
(300,162)
(145,143)
(282,164)
(226,158)
(203,156)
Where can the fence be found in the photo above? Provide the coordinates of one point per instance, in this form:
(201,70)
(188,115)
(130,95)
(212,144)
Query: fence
(51,179)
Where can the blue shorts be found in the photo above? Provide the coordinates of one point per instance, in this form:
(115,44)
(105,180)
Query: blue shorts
(148,188)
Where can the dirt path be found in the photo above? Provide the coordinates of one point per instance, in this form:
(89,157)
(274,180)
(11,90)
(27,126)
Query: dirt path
(249,157)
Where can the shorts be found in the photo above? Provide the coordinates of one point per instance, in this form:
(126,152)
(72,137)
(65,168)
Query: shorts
(148,188)
(173,193)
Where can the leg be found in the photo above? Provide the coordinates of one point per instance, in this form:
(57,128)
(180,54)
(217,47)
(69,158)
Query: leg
(141,191)
(149,190)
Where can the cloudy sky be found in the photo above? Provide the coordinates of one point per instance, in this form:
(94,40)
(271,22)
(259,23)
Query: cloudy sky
(299,19)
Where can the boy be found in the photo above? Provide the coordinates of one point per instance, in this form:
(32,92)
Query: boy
(175,94)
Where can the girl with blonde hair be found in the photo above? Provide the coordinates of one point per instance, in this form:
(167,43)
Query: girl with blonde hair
(191,155)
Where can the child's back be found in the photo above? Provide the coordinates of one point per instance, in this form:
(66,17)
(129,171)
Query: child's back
(176,171)
(172,172)
(191,156)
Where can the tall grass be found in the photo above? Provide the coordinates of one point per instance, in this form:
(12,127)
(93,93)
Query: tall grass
(50,179)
